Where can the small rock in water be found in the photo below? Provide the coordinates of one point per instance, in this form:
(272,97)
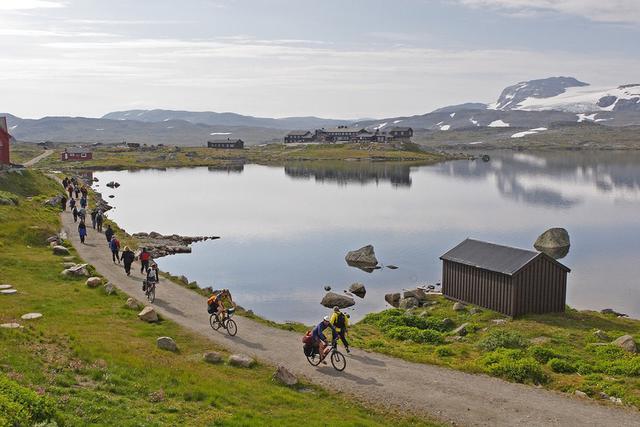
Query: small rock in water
(358,289)
(331,299)
(31,316)
(327,288)
(392,267)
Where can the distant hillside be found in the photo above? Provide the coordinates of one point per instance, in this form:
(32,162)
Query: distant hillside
(225,119)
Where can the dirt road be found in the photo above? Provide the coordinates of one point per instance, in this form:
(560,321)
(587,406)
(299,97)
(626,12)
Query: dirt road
(36,159)
(451,396)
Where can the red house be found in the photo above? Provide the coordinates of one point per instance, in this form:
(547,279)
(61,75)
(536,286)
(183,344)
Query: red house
(77,154)
(4,142)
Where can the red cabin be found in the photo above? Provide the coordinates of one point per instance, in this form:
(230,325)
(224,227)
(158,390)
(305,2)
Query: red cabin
(76,154)
(5,138)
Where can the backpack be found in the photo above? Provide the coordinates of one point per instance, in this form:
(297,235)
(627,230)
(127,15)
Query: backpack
(307,338)
(340,321)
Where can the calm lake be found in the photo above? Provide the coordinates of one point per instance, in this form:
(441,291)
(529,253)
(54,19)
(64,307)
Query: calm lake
(285,230)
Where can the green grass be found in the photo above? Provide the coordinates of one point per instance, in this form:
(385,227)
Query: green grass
(558,351)
(98,363)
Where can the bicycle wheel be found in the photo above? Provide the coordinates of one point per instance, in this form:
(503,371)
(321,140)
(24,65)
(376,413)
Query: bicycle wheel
(151,294)
(213,321)
(338,361)
(314,359)
(232,328)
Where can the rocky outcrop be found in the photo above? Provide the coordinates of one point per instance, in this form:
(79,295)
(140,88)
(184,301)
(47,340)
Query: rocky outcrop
(331,299)
(241,360)
(148,314)
(284,376)
(393,299)
(166,343)
(626,343)
(554,238)
(363,257)
(358,290)
(159,245)
(408,303)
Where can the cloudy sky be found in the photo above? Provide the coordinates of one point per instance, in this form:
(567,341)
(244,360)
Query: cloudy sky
(277,58)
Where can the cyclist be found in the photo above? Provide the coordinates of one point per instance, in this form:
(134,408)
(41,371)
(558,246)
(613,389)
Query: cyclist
(153,277)
(341,322)
(222,301)
(320,340)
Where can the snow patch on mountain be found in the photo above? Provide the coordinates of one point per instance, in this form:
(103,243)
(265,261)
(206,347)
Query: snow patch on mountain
(528,132)
(395,122)
(586,99)
(582,117)
(445,127)
(498,124)
(220,133)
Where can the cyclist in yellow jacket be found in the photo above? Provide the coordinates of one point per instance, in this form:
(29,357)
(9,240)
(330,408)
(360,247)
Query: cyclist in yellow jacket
(340,322)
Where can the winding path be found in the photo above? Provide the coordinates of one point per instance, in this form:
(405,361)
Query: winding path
(451,396)
(36,159)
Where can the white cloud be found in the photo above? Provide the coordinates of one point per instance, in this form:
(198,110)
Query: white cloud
(30,4)
(620,11)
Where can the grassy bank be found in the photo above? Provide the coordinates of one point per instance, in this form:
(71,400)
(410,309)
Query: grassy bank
(92,361)
(559,351)
(111,157)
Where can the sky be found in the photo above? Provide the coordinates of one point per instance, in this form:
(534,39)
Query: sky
(280,58)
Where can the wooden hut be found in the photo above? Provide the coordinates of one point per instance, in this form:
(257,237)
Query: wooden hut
(509,280)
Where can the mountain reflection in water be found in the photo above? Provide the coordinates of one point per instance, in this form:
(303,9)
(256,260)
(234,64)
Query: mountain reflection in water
(351,172)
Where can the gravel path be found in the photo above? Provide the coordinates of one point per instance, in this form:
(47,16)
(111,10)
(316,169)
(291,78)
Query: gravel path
(451,396)
(36,159)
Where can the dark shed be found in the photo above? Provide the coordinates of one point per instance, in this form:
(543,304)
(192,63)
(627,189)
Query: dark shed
(509,280)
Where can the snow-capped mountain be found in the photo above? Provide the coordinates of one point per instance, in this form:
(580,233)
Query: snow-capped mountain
(569,95)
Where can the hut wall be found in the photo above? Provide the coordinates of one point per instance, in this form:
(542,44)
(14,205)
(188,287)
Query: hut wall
(540,287)
(477,286)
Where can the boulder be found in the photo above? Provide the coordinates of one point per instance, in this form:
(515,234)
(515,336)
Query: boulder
(78,270)
(393,299)
(241,360)
(627,343)
(364,256)
(6,286)
(61,250)
(53,239)
(461,330)
(613,312)
(284,376)
(458,306)
(408,303)
(109,288)
(31,316)
(553,238)
(94,282)
(132,303)
(331,299)
(166,343)
(212,357)
(581,394)
(358,290)
(8,291)
(11,325)
(416,293)
(148,314)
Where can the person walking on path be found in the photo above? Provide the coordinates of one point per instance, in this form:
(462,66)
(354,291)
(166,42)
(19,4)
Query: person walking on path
(84,191)
(82,214)
(340,322)
(108,233)
(77,191)
(63,203)
(83,202)
(74,211)
(72,203)
(65,182)
(70,191)
(94,212)
(114,244)
(82,231)
(99,220)
(127,258)
(144,260)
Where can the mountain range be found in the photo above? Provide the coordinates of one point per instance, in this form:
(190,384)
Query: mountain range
(534,104)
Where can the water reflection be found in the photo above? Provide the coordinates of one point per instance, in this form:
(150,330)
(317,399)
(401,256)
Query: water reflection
(345,173)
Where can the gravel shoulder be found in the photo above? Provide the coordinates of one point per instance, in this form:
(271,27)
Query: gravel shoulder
(435,392)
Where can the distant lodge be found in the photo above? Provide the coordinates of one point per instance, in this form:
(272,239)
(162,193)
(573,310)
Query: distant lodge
(226,144)
(349,134)
(76,154)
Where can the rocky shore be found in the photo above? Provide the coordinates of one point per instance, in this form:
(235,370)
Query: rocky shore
(159,245)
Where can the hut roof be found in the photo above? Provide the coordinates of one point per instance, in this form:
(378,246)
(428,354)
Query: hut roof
(490,256)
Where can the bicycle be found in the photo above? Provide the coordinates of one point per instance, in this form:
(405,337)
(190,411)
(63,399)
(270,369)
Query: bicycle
(338,360)
(150,290)
(227,323)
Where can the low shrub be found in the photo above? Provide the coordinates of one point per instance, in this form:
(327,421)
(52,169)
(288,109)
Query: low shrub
(607,352)
(508,364)
(561,366)
(444,352)
(405,333)
(23,404)
(389,319)
(502,339)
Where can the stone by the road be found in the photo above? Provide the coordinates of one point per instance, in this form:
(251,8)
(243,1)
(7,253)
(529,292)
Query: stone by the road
(167,343)
(284,376)
(148,314)
(364,256)
(241,360)
(12,325)
(94,282)
(8,291)
(60,250)
(581,394)
(358,290)
(132,303)
(5,286)
(109,288)
(79,270)
(212,357)
(331,299)
(31,316)
(627,343)
(68,258)
(68,264)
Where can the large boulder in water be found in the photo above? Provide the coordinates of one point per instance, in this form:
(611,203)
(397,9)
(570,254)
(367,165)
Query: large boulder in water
(331,299)
(364,257)
(553,238)
(358,290)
